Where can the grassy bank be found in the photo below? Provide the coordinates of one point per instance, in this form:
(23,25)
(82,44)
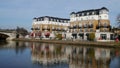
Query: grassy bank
(85,43)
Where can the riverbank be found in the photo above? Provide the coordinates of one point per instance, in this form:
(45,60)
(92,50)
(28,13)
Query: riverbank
(75,42)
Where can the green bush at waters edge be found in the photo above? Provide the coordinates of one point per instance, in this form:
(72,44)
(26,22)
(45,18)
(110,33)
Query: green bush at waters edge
(91,36)
(59,36)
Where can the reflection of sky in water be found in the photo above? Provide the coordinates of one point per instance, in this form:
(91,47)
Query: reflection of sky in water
(20,55)
(115,62)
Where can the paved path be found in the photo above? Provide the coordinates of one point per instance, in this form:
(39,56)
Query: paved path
(85,43)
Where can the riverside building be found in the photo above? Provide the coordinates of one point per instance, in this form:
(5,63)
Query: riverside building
(48,24)
(94,20)
(79,26)
(90,20)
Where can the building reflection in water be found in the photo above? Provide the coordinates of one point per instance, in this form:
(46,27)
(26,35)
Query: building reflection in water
(76,57)
(18,47)
(89,58)
(48,54)
(71,56)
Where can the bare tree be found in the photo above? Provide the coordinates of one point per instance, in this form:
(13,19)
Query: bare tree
(22,31)
(118,21)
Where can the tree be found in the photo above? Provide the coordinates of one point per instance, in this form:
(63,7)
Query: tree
(118,21)
(21,31)
(59,36)
(91,36)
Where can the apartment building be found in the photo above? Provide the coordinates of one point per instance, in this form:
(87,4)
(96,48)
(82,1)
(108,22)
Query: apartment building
(51,24)
(79,26)
(90,20)
(87,21)
(48,24)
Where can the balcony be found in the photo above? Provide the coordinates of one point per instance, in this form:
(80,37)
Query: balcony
(53,29)
(35,28)
(90,26)
(74,27)
(32,28)
(85,26)
(97,27)
(70,27)
(81,30)
(79,27)
(103,26)
(48,29)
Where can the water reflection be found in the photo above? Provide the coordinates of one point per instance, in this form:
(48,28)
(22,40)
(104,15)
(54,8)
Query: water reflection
(76,57)
(115,60)
(19,47)
(63,56)
(48,54)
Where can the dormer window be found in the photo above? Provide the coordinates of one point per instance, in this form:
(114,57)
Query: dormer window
(46,18)
(63,21)
(105,24)
(57,20)
(87,18)
(92,18)
(93,13)
(81,18)
(80,25)
(99,17)
(51,19)
(36,19)
(103,11)
(41,19)
(73,15)
(66,21)
(82,14)
(60,20)
(77,15)
(87,13)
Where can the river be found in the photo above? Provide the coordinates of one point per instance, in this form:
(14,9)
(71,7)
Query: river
(43,55)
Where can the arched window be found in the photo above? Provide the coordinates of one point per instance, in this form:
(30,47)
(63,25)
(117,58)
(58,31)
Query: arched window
(90,24)
(105,24)
(82,14)
(87,13)
(80,25)
(85,25)
(93,13)
(91,30)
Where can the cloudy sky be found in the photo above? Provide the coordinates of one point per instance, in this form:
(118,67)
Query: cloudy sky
(15,13)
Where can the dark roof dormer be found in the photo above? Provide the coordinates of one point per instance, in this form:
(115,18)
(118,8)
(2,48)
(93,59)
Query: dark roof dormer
(72,13)
(104,8)
(89,12)
(34,18)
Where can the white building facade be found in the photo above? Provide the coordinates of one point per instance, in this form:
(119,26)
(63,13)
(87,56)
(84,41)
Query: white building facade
(80,25)
(47,25)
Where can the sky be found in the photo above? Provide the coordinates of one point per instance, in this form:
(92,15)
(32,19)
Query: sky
(20,13)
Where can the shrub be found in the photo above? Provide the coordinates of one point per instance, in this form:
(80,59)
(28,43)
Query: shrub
(91,36)
(59,36)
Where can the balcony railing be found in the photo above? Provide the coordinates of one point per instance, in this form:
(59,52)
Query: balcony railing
(31,28)
(79,27)
(85,26)
(53,29)
(90,26)
(103,26)
(35,28)
(74,27)
(70,27)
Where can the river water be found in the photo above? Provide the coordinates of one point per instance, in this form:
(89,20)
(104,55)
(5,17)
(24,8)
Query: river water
(44,55)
